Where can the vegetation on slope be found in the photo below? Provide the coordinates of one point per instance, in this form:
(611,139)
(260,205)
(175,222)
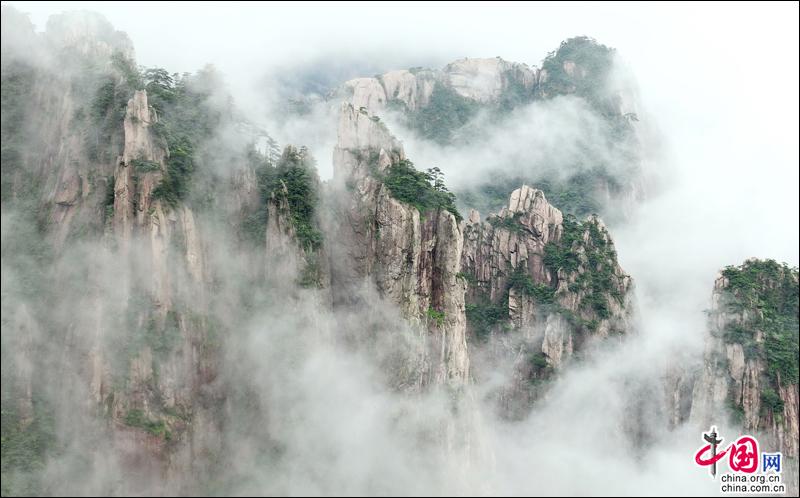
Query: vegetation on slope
(25,440)
(296,172)
(581,67)
(521,282)
(137,418)
(107,108)
(590,263)
(446,112)
(425,190)
(593,63)
(595,277)
(99,93)
(17,80)
(185,120)
(767,292)
(483,316)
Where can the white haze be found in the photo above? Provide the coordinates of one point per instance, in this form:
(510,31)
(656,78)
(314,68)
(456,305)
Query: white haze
(721,86)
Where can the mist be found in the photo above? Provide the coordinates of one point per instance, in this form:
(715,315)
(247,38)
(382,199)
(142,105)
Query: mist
(315,404)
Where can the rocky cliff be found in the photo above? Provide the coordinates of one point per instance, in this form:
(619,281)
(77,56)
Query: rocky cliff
(479,80)
(579,67)
(542,288)
(294,241)
(57,132)
(147,242)
(92,175)
(456,105)
(750,364)
(746,380)
(412,254)
(113,184)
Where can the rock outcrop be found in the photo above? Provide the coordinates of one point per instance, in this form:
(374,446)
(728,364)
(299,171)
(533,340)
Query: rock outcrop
(294,249)
(53,145)
(542,287)
(479,80)
(749,368)
(134,184)
(153,278)
(367,93)
(746,381)
(164,256)
(412,88)
(485,80)
(413,258)
(439,105)
(523,229)
(136,347)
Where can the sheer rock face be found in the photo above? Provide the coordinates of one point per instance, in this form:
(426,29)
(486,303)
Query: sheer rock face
(515,240)
(136,212)
(412,89)
(358,130)
(367,93)
(122,263)
(484,80)
(165,255)
(732,378)
(52,149)
(490,253)
(140,142)
(281,238)
(158,255)
(136,345)
(133,203)
(413,258)
(160,259)
(540,316)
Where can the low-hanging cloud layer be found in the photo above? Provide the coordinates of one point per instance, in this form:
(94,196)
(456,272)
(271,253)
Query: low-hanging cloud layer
(727,177)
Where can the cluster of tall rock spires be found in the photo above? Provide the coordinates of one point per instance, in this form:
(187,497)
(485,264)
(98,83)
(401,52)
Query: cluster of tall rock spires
(538,287)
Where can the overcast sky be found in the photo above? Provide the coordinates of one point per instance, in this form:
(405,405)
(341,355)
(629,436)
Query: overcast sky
(720,80)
